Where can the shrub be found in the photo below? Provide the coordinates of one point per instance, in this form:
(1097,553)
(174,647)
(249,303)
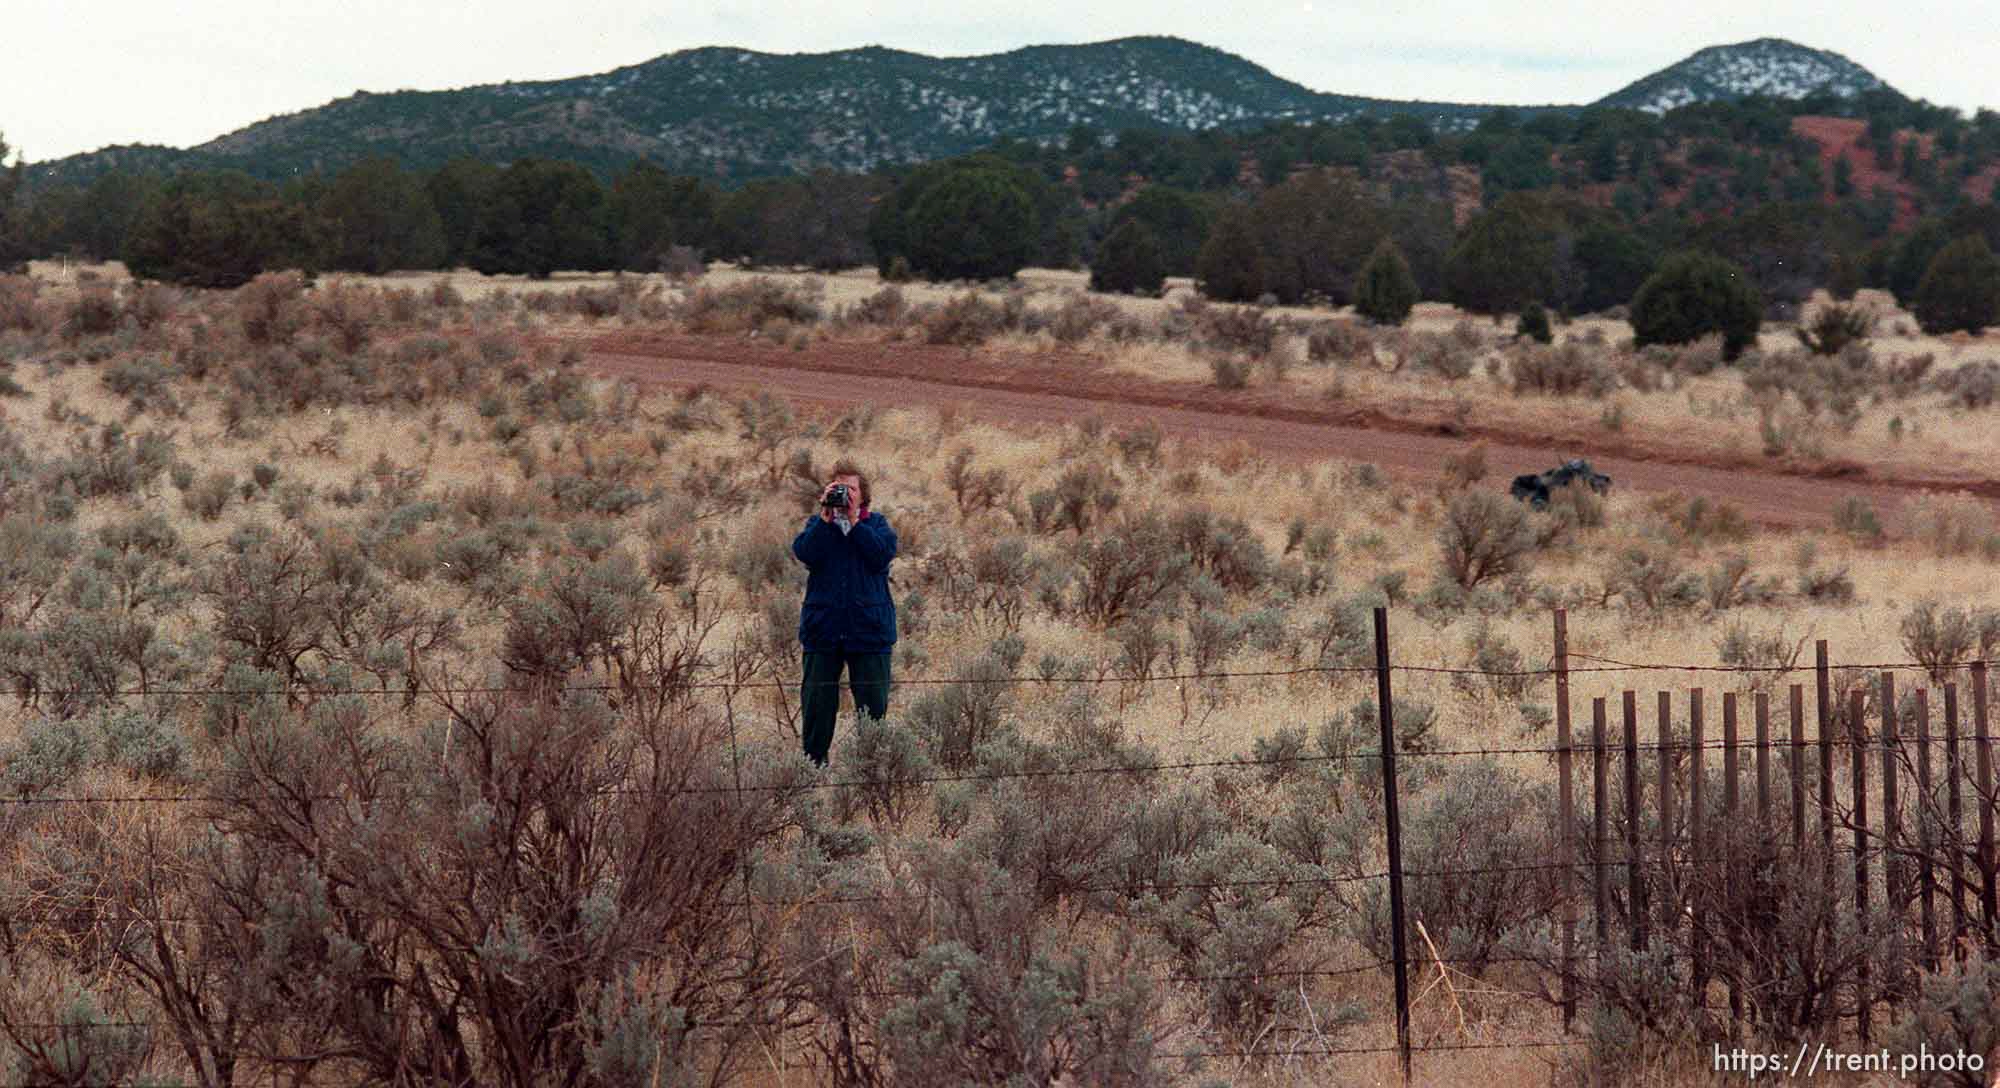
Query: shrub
(1463,469)
(1387,290)
(1342,341)
(1447,357)
(967,320)
(1956,1014)
(1694,294)
(1484,536)
(94,313)
(1224,549)
(1229,371)
(1079,316)
(1559,371)
(1732,584)
(1234,328)
(955,719)
(1699,521)
(1651,579)
(1953,525)
(18,311)
(886,307)
(1129,261)
(1534,324)
(144,745)
(51,751)
(271,307)
(575,615)
(1856,517)
(748,306)
(1767,652)
(890,766)
(1973,385)
(112,463)
(1941,638)
(1960,289)
(1125,572)
(1482,818)
(1001,1000)
(1832,328)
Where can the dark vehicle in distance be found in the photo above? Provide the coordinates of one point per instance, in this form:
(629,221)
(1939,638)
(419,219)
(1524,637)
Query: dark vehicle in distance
(1535,487)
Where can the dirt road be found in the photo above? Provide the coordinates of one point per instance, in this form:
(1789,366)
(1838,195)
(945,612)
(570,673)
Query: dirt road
(1061,388)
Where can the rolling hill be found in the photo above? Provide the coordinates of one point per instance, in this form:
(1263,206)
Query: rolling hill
(736,113)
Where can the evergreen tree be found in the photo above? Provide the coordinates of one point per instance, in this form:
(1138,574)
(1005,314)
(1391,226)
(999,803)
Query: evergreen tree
(1315,234)
(1843,176)
(1008,232)
(1612,262)
(819,221)
(1694,294)
(107,211)
(14,244)
(1424,232)
(1534,324)
(976,223)
(543,216)
(1387,290)
(1129,261)
(460,191)
(651,211)
(1960,289)
(1178,219)
(1844,279)
(379,218)
(1913,258)
(217,229)
(1231,265)
(1505,258)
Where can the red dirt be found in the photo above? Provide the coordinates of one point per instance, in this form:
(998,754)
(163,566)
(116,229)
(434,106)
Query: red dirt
(1837,135)
(1060,388)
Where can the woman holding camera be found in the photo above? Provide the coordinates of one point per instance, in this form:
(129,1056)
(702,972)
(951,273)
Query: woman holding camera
(848,620)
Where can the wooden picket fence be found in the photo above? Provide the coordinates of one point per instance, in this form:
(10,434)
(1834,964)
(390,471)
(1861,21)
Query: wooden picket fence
(1915,849)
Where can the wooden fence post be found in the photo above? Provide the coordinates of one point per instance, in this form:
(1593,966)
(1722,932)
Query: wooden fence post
(1894,893)
(1926,806)
(1823,685)
(1982,737)
(1698,874)
(1729,776)
(1763,711)
(1954,771)
(1730,794)
(1667,889)
(1635,884)
(1602,805)
(1857,729)
(1798,765)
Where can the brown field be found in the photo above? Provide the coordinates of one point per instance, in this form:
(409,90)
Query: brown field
(712,470)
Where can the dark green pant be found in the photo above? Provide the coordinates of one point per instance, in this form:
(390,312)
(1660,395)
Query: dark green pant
(819,694)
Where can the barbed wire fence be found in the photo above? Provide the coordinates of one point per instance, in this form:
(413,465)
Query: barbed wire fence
(1888,843)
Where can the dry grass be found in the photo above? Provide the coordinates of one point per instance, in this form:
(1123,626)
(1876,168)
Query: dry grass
(1382,532)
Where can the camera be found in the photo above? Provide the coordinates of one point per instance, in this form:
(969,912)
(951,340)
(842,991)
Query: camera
(837,497)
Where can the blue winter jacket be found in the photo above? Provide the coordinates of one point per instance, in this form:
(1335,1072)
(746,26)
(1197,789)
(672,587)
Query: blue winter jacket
(848,608)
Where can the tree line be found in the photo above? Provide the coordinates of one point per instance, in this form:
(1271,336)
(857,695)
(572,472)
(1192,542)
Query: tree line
(1289,213)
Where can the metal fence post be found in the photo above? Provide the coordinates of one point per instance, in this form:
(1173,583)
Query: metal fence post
(1566,814)
(1387,715)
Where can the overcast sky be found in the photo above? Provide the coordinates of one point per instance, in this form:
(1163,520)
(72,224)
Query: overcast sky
(81,74)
